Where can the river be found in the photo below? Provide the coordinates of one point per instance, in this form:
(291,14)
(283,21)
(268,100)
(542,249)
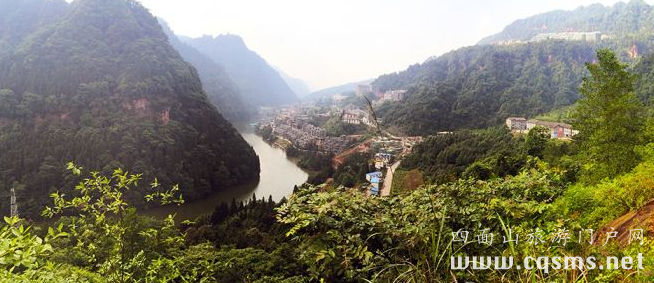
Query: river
(277,178)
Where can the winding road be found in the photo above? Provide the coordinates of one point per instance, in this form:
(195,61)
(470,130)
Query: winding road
(388,180)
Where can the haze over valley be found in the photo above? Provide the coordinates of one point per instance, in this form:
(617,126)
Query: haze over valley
(326,141)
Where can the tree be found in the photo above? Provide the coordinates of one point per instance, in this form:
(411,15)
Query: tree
(479,171)
(536,140)
(107,231)
(609,118)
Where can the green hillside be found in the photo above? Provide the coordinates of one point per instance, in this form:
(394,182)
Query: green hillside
(101,86)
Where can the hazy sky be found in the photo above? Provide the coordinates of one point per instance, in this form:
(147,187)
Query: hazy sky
(330,42)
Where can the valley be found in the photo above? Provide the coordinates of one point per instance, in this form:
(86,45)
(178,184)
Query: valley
(153,141)
(274,164)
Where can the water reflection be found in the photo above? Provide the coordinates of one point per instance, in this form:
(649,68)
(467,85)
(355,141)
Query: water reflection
(277,178)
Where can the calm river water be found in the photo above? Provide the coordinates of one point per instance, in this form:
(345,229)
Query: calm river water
(278,176)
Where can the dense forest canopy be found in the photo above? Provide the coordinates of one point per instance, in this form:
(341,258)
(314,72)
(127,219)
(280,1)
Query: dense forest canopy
(20,18)
(444,158)
(644,86)
(100,85)
(260,84)
(625,21)
(480,86)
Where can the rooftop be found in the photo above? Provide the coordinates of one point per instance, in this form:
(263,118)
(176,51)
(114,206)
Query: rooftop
(549,124)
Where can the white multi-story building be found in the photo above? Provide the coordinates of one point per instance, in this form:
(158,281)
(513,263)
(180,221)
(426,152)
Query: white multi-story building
(594,36)
(394,95)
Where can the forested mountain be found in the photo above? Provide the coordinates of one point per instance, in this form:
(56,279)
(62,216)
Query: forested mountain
(633,20)
(222,91)
(479,86)
(259,83)
(99,84)
(20,18)
(645,82)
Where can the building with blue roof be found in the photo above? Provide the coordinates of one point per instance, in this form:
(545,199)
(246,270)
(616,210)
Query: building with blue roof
(377,174)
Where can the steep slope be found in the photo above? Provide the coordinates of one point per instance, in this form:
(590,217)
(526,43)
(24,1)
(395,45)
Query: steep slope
(259,83)
(222,91)
(645,83)
(18,19)
(633,20)
(103,87)
(479,86)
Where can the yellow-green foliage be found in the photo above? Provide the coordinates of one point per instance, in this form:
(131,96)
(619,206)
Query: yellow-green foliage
(599,204)
(406,237)
(406,180)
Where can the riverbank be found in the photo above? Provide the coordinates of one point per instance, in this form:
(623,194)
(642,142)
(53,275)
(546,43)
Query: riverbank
(278,176)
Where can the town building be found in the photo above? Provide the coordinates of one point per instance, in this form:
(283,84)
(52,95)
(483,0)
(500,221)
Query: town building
(367,89)
(357,117)
(375,179)
(306,136)
(383,160)
(394,95)
(594,36)
(509,42)
(374,186)
(516,123)
(558,130)
(377,174)
(333,144)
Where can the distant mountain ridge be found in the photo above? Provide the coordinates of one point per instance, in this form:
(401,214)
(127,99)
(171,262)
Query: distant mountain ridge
(624,20)
(259,83)
(507,75)
(221,90)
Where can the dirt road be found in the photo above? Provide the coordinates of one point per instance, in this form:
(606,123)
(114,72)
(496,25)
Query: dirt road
(388,179)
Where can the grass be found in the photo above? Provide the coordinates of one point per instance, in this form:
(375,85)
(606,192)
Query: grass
(406,181)
(557,115)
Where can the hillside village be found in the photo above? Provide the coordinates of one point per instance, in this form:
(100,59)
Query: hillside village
(557,130)
(303,127)
(591,37)
(299,127)
(132,153)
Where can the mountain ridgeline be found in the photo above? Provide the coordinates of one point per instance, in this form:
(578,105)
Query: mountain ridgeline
(220,88)
(508,75)
(625,21)
(96,82)
(259,83)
